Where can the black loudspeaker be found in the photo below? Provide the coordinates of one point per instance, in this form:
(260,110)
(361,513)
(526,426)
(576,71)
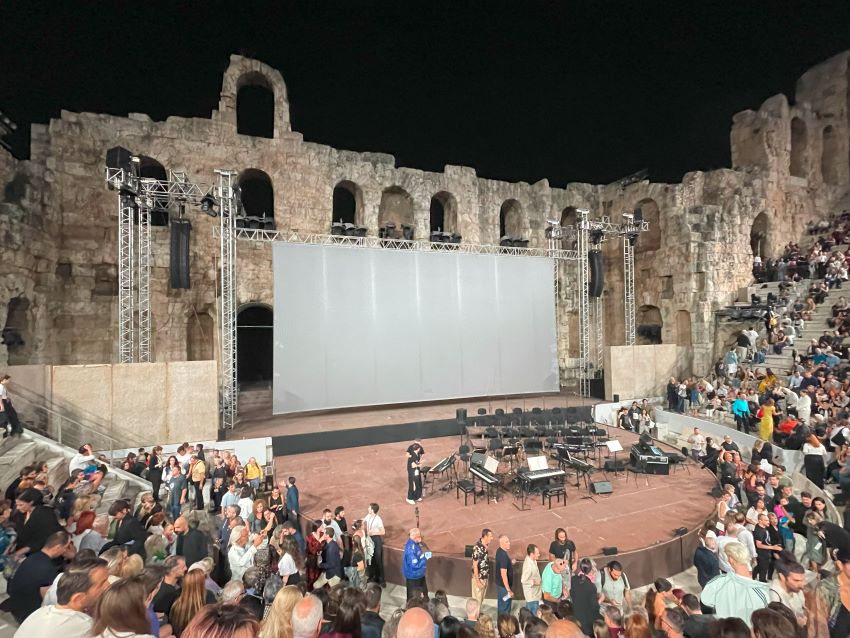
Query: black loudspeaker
(609,551)
(597,388)
(656,468)
(118,157)
(597,273)
(181,230)
(601,487)
(461,416)
(616,398)
(680,531)
(611,466)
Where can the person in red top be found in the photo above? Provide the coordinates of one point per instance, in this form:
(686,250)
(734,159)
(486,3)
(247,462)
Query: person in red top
(613,621)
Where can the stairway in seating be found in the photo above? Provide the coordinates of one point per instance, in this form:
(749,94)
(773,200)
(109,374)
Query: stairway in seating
(17,452)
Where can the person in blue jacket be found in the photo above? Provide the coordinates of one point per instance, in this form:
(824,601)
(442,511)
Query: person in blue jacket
(415,563)
(293,508)
(741,410)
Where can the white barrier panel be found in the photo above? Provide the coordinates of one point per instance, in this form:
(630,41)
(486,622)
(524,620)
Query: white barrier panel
(260,448)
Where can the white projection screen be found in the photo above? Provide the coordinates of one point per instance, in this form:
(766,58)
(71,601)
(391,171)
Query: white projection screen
(356,326)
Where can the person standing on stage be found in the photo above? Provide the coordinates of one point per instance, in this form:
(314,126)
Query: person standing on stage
(415,564)
(504,576)
(374,528)
(414,475)
(481,565)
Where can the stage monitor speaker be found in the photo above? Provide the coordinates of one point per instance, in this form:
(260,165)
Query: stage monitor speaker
(615,466)
(656,468)
(461,416)
(601,487)
(680,531)
(609,551)
(181,230)
(597,273)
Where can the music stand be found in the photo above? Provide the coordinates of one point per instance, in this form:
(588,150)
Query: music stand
(614,446)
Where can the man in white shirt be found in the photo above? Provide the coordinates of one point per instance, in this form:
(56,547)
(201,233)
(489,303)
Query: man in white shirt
(83,459)
(733,529)
(787,587)
(78,590)
(735,593)
(697,442)
(240,556)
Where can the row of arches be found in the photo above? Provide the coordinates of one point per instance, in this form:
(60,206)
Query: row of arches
(650,324)
(830,158)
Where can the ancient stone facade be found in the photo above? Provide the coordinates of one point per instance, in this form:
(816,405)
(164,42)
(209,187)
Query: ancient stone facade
(58,277)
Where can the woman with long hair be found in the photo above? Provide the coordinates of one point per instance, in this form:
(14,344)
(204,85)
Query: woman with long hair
(278,624)
(122,611)
(766,412)
(484,627)
(223,621)
(291,564)
(193,596)
(346,621)
(316,542)
(637,626)
(508,626)
(166,471)
(256,520)
(656,600)
(814,459)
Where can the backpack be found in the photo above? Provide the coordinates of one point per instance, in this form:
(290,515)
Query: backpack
(622,575)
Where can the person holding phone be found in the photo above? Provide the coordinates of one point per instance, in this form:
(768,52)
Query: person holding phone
(414,475)
(415,564)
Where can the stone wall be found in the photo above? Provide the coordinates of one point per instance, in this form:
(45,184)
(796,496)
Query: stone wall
(61,221)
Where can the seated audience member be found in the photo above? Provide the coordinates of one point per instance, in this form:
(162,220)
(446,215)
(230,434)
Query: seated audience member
(192,543)
(77,592)
(130,533)
(39,522)
(697,624)
(122,611)
(35,575)
(307,617)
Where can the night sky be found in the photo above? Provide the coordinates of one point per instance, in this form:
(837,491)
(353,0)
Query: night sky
(571,91)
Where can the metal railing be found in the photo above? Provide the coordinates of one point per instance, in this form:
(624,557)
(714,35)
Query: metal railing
(41,415)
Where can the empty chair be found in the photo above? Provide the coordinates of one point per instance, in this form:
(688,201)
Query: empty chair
(463,454)
(495,446)
(533,446)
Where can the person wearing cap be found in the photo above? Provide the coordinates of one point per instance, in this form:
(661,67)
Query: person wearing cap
(705,558)
(829,610)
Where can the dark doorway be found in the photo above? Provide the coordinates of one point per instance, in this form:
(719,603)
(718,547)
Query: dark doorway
(16,331)
(258,197)
(255,111)
(344,205)
(254,344)
(149,167)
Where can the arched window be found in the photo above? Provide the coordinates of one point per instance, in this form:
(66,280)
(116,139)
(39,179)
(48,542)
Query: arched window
(16,332)
(396,210)
(347,203)
(651,239)
(149,167)
(649,324)
(830,156)
(199,337)
(799,141)
(257,199)
(510,220)
(255,106)
(758,234)
(683,328)
(444,213)
(254,344)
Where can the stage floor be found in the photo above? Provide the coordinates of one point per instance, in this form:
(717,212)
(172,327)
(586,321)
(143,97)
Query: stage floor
(631,518)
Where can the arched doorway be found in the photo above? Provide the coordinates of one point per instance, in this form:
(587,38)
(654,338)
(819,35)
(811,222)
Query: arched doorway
(347,203)
(510,220)
(149,167)
(396,209)
(798,147)
(649,325)
(200,337)
(830,156)
(254,343)
(443,213)
(651,239)
(255,106)
(16,332)
(257,198)
(758,233)
(683,328)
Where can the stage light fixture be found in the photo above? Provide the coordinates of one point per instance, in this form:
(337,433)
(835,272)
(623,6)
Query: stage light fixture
(632,238)
(506,241)
(407,231)
(360,231)
(455,238)
(209,206)
(337,228)
(436,237)
(596,236)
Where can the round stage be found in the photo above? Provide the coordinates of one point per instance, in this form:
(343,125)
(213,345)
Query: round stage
(638,518)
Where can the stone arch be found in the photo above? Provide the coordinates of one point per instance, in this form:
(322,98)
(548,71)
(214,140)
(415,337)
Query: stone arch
(347,205)
(830,158)
(254,343)
(511,220)
(649,324)
(758,234)
(149,167)
(245,72)
(683,328)
(257,193)
(200,336)
(396,208)
(569,217)
(443,213)
(799,142)
(16,332)
(255,106)
(651,239)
